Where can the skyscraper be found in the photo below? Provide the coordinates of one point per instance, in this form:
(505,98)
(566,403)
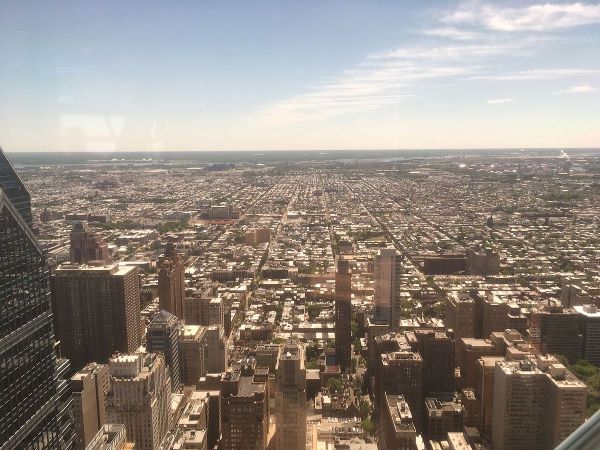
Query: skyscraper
(140,397)
(460,315)
(15,190)
(290,398)
(216,349)
(343,315)
(203,309)
(388,271)
(171,282)
(556,330)
(437,351)
(537,404)
(96,311)
(89,387)
(162,336)
(32,391)
(87,246)
(590,328)
(402,373)
(244,407)
(192,354)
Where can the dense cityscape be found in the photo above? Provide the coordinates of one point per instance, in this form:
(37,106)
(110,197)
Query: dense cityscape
(441,302)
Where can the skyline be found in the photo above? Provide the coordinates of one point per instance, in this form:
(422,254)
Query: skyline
(440,75)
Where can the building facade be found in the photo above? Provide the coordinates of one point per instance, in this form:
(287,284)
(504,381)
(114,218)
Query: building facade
(96,311)
(140,397)
(89,387)
(33,412)
(171,282)
(388,271)
(192,354)
(162,336)
(290,398)
(87,246)
(244,408)
(537,404)
(343,315)
(401,373)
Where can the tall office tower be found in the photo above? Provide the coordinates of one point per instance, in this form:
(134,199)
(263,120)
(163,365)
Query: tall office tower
(66,423)
(96,311)
(460,315)
(87,246)
(494,312)
(468,351)
(402,373)
(89,387)
(244,408)
(537,404)
(204,309)
(210,385)
(140,397)
(398,428)
(437,351)
(162,336)
(374,330)
(192,354)
(388,271)
(484,392)
(343,315)
(590,327)
(290,398)
(215,350)
(15,190)
(171,282)
(557,331)
(31,385)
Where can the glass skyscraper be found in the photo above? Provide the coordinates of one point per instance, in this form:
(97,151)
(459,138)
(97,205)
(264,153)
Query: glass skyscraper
(35,411)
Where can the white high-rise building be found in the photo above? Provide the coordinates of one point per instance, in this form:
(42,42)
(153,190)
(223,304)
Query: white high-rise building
(388,271)
(538,403)
(290,398)
(140,397)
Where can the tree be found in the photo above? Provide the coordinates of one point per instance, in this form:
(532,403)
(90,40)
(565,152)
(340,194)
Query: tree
(312,351)
(368,426)
(334,384)
(312,365)
(590,375)
(314,310)
(365,408)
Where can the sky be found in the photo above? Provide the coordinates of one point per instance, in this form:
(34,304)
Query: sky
(276,75)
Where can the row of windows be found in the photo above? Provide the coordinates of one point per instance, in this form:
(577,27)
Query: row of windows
(27,367)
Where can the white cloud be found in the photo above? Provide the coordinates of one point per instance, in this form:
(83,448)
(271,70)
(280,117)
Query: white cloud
(499,101)
(539,17)
(447,52)
(581,89)
(536,74)
(468,52)
(452,33)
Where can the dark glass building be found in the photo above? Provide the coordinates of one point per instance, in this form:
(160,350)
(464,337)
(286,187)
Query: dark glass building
(343,315)
(35,408)
(14,189)
(163,337)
